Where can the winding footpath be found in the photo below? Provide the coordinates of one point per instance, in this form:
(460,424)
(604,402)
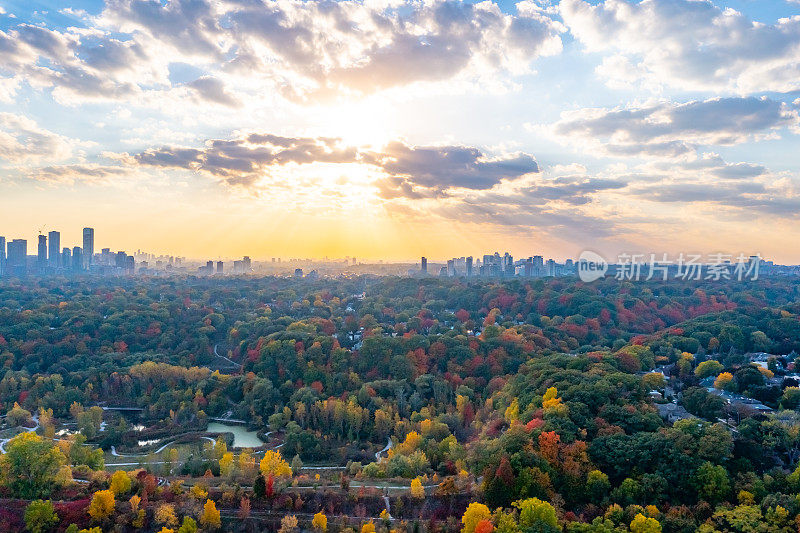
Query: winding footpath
(161,449)
(389,446)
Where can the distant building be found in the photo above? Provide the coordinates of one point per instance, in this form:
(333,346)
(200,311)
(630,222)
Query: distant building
(424,265)
(469,266)
(77,259)
(54,249)
(298,272)
(2,256)
(41,255)
(88,247)
(17,260)
(220,267)
(66,258)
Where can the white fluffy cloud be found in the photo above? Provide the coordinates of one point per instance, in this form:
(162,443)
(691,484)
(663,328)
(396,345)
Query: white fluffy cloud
(24,141)
(301,49)
(688,44)
(666,129)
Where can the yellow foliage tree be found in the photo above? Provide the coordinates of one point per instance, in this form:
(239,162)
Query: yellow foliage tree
(199,492)
(550,398)
(226,464)
(369,527)
(120,482)
(643,524)
(210,518)
(475,513)
(512,411)
(320,522)
(417,491)
(165,514)
(102,505)
(273,463)
(135,501)
(411,443)
(722,380)
(288,524)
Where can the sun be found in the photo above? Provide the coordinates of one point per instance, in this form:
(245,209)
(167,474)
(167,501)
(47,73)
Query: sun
(367,123)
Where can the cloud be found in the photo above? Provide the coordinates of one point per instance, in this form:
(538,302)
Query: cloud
(449,166)
(315,49)
(213,90)
(428,170)
(90,173)
(688,44)
(667,129)
(8,89)
(79,65)
(23,141)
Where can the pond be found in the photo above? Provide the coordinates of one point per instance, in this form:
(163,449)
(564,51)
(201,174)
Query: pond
(241,437)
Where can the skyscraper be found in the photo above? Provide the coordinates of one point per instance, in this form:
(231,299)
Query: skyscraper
(17,257)
(41,256)
(54,247)
(66,258)
(77,258)
(2,256)
(424,265)
(469,266)
(88,247)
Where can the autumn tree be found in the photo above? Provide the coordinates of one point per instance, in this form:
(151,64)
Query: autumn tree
(165,514)
(17,416)
(644,524)
(30,465)
(102,505)
(188,525)
(120,482)
(210,518)
(473,515)
(288,524)
(274,464)
(40,516)
(417,490)
(244,508)
(320,522)
(537,516)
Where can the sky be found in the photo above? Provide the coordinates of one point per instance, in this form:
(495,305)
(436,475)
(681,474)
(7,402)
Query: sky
(391,129)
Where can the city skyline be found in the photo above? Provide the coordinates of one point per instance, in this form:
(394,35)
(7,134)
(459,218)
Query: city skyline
(50,259)
(392,130)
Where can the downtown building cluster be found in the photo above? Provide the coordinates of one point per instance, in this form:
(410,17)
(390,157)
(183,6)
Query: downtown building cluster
(51,258)
(498,266)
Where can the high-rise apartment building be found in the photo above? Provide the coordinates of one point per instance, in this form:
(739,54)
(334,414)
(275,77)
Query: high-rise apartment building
(41,253)
(77,258)
(87,251)
(424,265)
(17,261)
(2,256)
(54,249)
